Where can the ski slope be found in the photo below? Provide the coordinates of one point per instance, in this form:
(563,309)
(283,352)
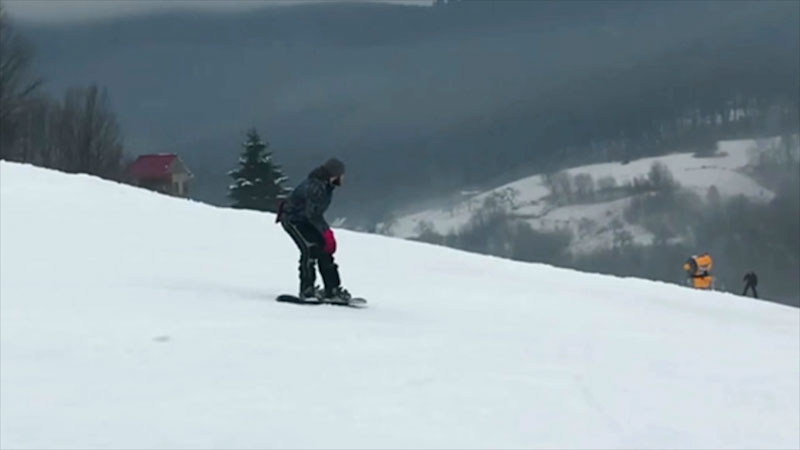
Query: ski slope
(726,171)
(135,320)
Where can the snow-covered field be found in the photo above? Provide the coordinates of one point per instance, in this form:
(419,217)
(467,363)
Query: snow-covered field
(134,320)
(725,171)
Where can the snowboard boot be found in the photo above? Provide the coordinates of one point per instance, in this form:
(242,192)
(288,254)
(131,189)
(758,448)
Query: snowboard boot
(338,295)
(311,294)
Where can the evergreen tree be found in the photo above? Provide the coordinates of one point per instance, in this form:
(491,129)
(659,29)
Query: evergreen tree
(257,182)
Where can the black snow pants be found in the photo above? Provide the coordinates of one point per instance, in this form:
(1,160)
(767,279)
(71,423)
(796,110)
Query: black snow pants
(311,244)
(750,286)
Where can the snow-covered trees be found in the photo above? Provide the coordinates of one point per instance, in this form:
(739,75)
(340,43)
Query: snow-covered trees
(257,182)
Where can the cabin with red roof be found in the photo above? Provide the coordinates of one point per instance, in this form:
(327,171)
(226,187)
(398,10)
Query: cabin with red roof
(164,173)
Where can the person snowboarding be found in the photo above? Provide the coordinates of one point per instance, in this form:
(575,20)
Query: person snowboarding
(750,282)
(302,216)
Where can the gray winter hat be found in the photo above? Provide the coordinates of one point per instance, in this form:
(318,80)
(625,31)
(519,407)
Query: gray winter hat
(334,167)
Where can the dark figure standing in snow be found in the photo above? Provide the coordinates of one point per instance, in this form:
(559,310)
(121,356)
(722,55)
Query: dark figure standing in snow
(301,215)
(750,282)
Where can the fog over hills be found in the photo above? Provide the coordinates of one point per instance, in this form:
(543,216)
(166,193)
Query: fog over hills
(418,101)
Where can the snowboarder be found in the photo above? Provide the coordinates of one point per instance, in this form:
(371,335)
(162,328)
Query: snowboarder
(301,215)
(750,282)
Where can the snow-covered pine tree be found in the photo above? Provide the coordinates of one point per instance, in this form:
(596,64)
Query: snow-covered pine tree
(257,182)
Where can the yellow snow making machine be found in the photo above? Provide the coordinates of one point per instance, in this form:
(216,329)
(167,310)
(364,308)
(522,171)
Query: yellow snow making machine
(698,271)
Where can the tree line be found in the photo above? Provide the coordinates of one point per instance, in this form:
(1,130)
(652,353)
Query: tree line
(77,133)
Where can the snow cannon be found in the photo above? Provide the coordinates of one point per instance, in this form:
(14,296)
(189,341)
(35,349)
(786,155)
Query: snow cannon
(699,264)
(698,269)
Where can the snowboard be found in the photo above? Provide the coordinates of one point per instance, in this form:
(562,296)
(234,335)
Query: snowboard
(355,302)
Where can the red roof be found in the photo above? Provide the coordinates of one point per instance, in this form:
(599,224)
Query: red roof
(152,166)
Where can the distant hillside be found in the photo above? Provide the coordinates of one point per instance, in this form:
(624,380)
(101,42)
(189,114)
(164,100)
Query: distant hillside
(590,217)
(643,218)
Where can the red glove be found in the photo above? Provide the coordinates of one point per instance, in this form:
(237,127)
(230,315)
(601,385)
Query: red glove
(330,241)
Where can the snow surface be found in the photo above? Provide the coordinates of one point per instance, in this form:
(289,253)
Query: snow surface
(725,171)
(131,319)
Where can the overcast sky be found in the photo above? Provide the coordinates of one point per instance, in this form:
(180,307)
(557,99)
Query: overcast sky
(76,10)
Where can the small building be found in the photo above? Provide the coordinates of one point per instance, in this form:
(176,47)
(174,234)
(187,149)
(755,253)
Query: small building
(164,173)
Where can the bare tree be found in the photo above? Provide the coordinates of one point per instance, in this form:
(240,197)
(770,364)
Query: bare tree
(33,139)
(89,137)
(17,85)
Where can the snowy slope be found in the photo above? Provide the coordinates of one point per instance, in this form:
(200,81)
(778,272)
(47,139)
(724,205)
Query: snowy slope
(133,320)
(725,171)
